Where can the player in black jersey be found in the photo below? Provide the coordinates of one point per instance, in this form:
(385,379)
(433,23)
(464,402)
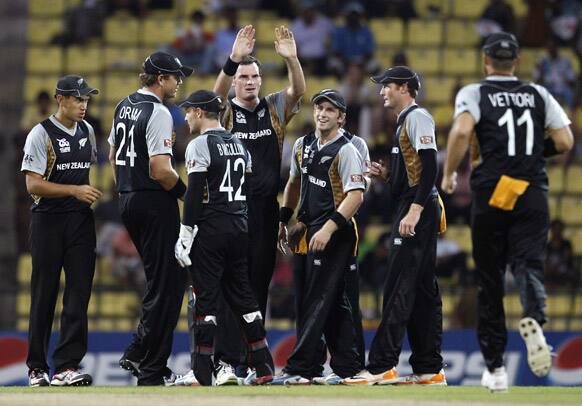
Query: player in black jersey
(510,219)
(57,156)
(215,229)
(260,123)
(148,186)
(295,238)
(330,171)
(412,302)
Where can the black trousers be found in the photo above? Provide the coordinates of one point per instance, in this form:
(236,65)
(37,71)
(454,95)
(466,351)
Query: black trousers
(517,239)
(263,226)
(152,219)
(412,301)
(60,241)
(326,310)
(352,290)
(219,265)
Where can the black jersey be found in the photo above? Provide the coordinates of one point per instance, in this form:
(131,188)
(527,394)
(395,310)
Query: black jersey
(226,161)
(262,131)
(511,117)
(328,172)
(64,159)
(142,127)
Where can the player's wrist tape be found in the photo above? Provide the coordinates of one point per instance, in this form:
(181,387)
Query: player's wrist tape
(285,214)
(178,190)
(230,67)
(338,219)
(550,148)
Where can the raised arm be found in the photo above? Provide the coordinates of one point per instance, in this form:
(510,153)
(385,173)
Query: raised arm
(243,45)
(287,49)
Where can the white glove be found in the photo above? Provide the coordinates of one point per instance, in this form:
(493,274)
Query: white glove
(184,244)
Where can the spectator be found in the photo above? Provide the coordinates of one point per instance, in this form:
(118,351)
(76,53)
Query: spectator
(31,117)
(458,205)
(312,33)
(225,38)
(556,73)
(451,259)
(360,96)
(353,42)
(374,266)
(560,271)
(192,45)
(83,22)
(498,16)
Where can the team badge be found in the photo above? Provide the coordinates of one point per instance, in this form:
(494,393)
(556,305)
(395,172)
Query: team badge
(324,159)
(261,113)
(82,143)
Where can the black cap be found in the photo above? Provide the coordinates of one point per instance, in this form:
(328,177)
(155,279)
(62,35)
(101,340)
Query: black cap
(203,99)
(160,63)
(331,95)
(501,45)
(398,75)
(74,85)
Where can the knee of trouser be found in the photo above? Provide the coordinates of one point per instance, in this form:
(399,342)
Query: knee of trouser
(205,328)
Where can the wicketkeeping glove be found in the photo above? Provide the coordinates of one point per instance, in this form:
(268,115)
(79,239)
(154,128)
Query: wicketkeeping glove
(184,244)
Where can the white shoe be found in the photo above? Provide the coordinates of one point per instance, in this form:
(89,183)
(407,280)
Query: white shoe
(187,380)
(171,379)
(38,377)
(225,375)
(538,351)
(331,379)
(71,377)
(495,381)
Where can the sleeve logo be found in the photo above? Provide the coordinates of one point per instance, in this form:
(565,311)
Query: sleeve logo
(190,164)
(357,178)
(426,139)
(168,143)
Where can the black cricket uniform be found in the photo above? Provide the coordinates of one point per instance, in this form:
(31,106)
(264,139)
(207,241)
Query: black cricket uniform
(62,236)
(511,117)
(412,301)
(328,172)
(220,249)
(262,131)
(142,127)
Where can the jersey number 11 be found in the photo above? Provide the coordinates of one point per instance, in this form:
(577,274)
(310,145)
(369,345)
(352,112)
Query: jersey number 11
(507,118)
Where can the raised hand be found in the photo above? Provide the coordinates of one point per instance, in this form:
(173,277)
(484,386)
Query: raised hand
(285,43)
(243,44)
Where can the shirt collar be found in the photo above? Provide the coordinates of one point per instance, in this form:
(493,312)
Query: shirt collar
(406,109)
(213,129)
(501,78)
(147,92)
(70,131)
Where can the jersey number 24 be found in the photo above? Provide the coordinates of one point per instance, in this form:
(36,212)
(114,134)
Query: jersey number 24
(121,129)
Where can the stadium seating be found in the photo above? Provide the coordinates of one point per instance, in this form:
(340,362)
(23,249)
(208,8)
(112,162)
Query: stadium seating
(387,31)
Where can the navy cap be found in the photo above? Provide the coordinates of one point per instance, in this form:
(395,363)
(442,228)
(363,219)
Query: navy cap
(203,99)
(162,63)
(74,85)
(501,45)
(332,96)
(398,75)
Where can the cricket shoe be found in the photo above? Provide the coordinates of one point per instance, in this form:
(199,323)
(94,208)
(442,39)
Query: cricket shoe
(252,380)
(129,365)
(331,379)
(171,378)
(495,381)
(38,377)
(225,375)
(71,377)
(437,379)
(186,380)
(367,378)
(539,355)
(289,379)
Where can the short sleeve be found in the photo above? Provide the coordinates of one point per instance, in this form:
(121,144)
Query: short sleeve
(197,155)
(35,151)
(279,100)
(362,148)
(111,138)
(294,168)
(92,142)
(556,117)
(468,100)
(159,131)
(421,130)
(350,168)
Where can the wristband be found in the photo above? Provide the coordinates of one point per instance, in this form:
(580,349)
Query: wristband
(230,67)
(178,190)
(338,219)
(285,214)
(550,148)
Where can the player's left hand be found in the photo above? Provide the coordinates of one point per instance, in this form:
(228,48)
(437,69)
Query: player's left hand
(449,183)
(184,245)
(285,43)
(409,222)
(282,243)
(319,240)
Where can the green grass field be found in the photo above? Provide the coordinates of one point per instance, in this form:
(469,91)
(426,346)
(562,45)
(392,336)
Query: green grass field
(283,396)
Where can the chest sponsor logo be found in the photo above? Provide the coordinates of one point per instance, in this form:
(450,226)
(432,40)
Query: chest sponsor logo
(395,150)
(324,159)
(82,143)
(240,118)
(357,178)
(64,145)
(398,241)
(253,136)
(318,182)
(73,165)
(426,139)
(261,113)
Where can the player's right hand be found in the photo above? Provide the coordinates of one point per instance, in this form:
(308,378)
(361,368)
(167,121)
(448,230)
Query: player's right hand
(449,183)
(282,243)
(295,234)
(184,245)
(86,193)
(243,44)
(379,170)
